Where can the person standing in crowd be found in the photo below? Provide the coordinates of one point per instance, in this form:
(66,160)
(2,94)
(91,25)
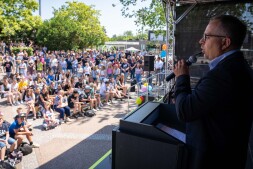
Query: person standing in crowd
(125,69)
(138,74)
(30,66)
(23,68)
(8,66)
(158,70)
(63,64)
(132,68)
(218,112)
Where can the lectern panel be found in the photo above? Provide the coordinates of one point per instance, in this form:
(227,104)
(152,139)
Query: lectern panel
(151,137)
(137,152)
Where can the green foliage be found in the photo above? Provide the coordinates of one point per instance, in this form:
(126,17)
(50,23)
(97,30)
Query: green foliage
(151,16)
(128,35)
(74,26)
(16,50)
(16,19)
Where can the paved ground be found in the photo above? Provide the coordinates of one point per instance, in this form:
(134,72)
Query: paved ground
(77,144)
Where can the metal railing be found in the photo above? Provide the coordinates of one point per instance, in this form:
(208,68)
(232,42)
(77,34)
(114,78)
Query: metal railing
(149,89)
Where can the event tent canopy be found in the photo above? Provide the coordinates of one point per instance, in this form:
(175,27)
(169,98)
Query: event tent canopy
(132,49)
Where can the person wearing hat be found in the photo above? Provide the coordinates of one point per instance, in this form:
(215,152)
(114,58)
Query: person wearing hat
(5,138)
(18,129)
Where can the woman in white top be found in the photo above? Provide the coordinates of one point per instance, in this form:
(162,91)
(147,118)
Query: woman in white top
(14,89)
(54,63)
(87,69)
(102,74)
(63,64)
(6,91)
(18,61)
(79,70)
(22,68)
(30,100)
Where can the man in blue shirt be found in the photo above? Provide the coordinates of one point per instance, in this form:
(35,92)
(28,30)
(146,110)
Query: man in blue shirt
(18,129)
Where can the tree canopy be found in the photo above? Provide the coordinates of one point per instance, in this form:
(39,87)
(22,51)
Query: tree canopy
(128,35)
(17,20)
(151,17)
(74,26)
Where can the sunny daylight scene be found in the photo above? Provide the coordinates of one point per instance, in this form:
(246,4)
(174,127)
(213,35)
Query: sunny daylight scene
(126,84)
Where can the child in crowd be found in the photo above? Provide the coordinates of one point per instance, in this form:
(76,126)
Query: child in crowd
(49,119)
(95,94)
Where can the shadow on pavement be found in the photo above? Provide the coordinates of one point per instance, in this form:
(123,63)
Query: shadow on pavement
(82,155)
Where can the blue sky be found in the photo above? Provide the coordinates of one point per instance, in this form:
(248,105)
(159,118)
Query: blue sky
(110,16)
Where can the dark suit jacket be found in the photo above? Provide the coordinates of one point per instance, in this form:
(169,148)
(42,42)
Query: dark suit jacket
(218,114)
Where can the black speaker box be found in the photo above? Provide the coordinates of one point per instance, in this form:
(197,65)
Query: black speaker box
(149,63)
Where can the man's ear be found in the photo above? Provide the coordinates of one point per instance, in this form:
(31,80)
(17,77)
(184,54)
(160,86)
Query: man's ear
(226,43)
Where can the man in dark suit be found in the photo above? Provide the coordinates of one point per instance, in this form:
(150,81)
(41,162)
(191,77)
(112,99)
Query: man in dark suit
(218,112)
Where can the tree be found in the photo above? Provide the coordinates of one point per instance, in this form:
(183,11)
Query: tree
(74,26)
(16,19)
(128,35)
(151,16)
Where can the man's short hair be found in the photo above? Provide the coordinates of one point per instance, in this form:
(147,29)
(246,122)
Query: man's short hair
(234,28)
(75,92)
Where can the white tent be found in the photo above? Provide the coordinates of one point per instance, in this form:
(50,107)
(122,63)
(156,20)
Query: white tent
(132,49)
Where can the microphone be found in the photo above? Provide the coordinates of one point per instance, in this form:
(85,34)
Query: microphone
(192,59)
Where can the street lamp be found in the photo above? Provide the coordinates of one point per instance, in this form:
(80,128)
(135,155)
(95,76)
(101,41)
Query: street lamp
(40,7)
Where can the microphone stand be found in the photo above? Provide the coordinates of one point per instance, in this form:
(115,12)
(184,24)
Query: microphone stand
(169,96)
(171,93)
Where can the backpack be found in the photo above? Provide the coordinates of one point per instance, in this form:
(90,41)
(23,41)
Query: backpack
(6,165)
(89,113)
(25,148)
(15,157)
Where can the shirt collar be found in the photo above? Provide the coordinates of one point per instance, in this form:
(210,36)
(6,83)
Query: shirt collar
(217,60)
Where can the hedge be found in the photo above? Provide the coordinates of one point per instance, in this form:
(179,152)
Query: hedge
(16,50)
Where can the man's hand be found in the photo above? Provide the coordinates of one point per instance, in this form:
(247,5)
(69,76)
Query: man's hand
(181,68)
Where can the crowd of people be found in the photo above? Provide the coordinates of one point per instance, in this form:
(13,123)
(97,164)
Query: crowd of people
(67,82)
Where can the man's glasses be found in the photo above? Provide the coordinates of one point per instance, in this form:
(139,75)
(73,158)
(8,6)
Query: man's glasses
(205,36)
